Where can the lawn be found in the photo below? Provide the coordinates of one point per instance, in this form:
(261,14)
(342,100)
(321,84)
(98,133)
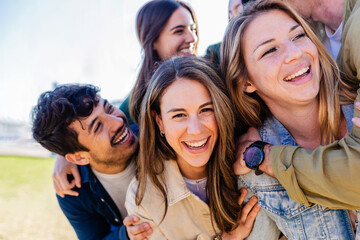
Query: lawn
(28,206)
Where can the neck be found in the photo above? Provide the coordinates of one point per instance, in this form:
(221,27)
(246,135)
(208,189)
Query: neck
(335,17)
(302,122)
(110,168)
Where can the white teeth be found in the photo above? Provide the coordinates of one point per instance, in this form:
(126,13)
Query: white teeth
(301,72)
(123,137)
(197,144)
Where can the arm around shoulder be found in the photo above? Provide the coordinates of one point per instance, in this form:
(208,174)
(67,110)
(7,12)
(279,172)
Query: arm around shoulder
(327,175)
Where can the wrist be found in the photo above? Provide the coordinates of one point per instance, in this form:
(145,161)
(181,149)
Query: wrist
(265,166)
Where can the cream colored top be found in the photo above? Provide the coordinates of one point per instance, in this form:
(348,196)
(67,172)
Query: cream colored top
(187,217)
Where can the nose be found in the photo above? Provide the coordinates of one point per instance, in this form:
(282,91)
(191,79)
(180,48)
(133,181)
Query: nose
(292,52)
(191,36)
(195,126)
(114,122)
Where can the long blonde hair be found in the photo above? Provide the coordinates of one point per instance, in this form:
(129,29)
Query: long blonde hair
(154,149)
(250,107)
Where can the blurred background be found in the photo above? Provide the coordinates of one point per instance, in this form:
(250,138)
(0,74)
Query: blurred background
(44,43)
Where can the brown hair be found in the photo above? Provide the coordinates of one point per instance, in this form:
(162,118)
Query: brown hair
(150,21)
(250,107)
(154,149)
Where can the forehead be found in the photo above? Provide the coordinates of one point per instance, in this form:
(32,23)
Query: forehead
(268,25)
(180,16)
(185,92)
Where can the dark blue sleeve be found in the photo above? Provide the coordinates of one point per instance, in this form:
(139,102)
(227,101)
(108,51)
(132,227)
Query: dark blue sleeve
(87,223)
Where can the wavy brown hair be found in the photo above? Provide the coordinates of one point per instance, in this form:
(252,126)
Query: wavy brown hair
(250,107)
(150,21)
(154,149)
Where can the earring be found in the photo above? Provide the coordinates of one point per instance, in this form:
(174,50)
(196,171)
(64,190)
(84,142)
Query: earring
(162,134)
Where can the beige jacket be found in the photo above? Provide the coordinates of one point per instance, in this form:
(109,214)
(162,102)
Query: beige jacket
(349,54)
(187,216)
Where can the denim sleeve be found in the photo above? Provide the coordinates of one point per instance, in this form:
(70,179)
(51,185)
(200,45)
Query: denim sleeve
(88,224)
(327,175)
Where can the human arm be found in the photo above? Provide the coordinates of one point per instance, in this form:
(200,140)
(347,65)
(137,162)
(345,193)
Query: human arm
(327,175)
(60,179)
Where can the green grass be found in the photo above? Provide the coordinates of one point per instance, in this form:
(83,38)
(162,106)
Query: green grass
(28,206)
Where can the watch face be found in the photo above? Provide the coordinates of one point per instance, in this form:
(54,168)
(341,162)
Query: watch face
(253,156)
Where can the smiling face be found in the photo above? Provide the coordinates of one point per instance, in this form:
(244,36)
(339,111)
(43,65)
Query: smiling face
(188,122)
(281,60)
(108,137)
(178,37)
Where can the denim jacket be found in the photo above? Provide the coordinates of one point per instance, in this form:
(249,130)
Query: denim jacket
(93,214)
(296,221)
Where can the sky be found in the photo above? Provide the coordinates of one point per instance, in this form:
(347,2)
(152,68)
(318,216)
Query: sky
(47,42)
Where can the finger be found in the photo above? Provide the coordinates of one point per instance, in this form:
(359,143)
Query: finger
(357,105)
(130,220)
(247,208)
(64,182)
(243,193)
(75,172)
(249,222)
(356,121)
(57,189)
(139,230)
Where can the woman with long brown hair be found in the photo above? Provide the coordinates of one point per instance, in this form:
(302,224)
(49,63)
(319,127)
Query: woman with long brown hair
(185,187)
(284,83)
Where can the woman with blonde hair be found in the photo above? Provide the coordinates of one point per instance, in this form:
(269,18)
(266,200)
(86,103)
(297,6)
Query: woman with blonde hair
(185,186)
(284,83)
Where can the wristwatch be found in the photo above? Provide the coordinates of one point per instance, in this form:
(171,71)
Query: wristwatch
(254,156)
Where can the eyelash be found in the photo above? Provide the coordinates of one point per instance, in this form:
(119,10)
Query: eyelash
(301,35)
(97,127)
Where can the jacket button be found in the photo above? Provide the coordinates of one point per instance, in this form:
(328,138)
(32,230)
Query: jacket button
(116,220)
(102,200)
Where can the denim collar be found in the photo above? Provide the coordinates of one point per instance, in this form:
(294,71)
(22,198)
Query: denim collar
(274,132)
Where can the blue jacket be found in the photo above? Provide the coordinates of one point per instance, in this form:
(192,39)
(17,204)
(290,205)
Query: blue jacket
(93,214)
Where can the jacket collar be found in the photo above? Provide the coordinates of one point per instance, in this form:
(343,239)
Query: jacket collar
(176,187)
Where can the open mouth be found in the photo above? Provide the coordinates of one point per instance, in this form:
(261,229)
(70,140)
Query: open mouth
(185,51)
(299,74)
(197,144)
(121,136)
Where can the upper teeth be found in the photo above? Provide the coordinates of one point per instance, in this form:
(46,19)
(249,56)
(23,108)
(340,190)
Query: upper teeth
(196,144)
(302,71)
(122,136)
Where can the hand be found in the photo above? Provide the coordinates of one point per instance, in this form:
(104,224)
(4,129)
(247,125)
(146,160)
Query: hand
(356,120)
(245,219)
(60,181)
(243,142)
(137,232)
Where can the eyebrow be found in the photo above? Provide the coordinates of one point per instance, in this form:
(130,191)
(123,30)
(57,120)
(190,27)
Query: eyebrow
(272,39)
(95,119)
(182,109)
(177,26)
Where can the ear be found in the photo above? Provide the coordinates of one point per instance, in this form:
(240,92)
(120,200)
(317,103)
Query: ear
(159,121)
(249,87)
(78,158)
